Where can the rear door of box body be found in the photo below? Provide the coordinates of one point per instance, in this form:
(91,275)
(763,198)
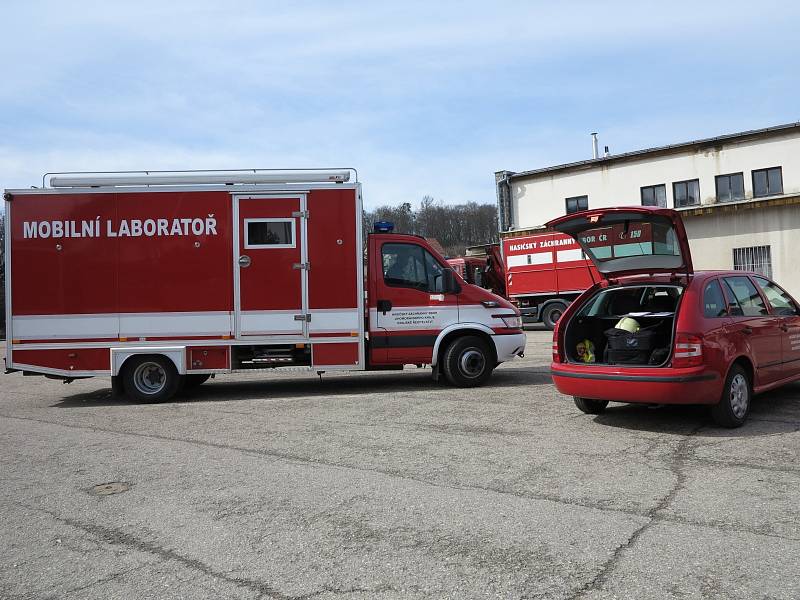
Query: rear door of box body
(335,278)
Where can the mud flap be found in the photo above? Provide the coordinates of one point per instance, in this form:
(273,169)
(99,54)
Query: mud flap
(117,391)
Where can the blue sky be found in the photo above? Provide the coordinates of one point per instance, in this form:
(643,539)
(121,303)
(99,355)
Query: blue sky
(421,97)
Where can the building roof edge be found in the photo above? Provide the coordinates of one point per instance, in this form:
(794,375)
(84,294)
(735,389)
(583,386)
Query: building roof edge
(607,160)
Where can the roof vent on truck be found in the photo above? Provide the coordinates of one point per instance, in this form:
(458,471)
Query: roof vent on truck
(219,177)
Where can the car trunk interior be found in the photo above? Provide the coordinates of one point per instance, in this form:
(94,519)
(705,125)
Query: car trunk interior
(593,327)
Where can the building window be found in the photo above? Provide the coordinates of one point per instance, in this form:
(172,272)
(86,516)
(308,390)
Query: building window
(755,258)
(730,187)
(767,182)
(577,203)
(686,193)
(655,195)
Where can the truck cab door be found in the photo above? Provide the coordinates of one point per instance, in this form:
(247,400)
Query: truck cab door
(409,306)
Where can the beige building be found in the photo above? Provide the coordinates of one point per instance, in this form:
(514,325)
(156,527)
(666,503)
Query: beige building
(739,196)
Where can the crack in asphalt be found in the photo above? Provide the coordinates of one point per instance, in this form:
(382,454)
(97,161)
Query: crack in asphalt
(108,579)
(652,514)
(310,461)
(116,537)
(655,515)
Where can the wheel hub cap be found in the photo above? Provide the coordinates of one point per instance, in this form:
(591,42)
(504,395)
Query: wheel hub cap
(472,362)
(149,378)
(740,397)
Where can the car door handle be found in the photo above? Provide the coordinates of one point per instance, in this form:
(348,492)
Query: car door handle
(747,330)
(784,328)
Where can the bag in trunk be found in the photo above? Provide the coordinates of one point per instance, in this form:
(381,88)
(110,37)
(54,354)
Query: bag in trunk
(627,357)
(622,339)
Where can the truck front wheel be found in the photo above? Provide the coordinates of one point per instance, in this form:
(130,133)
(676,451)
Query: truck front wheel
(150,378)
(552,313)
(467,362)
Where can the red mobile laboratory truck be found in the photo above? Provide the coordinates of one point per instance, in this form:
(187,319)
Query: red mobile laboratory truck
(160,280)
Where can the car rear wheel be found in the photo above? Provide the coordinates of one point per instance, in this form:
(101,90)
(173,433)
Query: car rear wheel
(734,406)
(552,313)
(468,362)
(590,407)
(150,378)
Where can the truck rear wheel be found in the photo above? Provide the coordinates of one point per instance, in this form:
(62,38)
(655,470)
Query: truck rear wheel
(150,378)
(552,313)
(467,362)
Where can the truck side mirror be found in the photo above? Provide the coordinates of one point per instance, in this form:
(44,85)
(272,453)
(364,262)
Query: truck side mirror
(450,283)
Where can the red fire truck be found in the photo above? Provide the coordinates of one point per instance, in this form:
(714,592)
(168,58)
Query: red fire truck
(541,273)
(544,273)
(161,280)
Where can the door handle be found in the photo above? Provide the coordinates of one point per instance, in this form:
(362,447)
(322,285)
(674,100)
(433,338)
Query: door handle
(747,330)
(244,261)
(784,327)
(384,306)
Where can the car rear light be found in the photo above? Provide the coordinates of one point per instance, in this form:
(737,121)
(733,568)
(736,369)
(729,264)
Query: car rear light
(556,353)
(688,351)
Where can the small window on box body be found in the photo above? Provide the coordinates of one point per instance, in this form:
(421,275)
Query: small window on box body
(269,233)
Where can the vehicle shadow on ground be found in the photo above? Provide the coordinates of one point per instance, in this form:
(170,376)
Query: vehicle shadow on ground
(330,386)
(773,413)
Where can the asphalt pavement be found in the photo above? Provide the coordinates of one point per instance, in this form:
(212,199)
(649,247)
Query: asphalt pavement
(388,485)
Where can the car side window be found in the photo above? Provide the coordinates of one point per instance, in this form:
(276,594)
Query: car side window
(713,301)
(410,265)
(748,300)
(779,300)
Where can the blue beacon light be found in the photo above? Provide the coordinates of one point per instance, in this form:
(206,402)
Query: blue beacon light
(383,227)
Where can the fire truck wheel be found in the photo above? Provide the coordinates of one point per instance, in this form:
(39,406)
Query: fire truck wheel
(590,407)
(552,313)
(192,381)
(467,362)
(150,378)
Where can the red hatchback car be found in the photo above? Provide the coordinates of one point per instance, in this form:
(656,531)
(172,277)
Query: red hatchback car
(706,337)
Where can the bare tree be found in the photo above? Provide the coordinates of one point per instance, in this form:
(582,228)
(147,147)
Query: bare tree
(454,226)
